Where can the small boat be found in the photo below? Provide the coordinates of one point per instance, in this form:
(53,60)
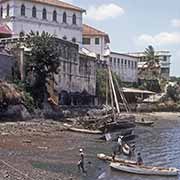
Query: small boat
(126,150)
(113,126)
(80,130)
(109,158)
(145,123)
(144,170)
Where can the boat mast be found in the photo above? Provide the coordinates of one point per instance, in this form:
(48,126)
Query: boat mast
(113,90)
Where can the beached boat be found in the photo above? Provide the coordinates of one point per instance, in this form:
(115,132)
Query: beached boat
(80,130)
(144,170)
(145,123)
(109,158)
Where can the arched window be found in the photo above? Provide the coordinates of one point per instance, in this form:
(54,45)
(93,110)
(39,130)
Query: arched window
(34,12)
(7,12)
(44,15)
(23,10)
(74,19)
(64,17)
(74,40)
(1,11)
(54,15)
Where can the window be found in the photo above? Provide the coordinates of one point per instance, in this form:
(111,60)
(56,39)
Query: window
(135,65)
(44,14)
(86,41)
(115,61)
(1,11)
(118,61)
(74,19)
(74,40)
(125,62)
(96,41)
(129,62)
(7,10)
(122,61)
(64,17)
(34,12)
(23,10)
(54,15)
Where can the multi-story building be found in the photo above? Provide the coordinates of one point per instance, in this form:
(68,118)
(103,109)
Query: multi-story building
(95,40)
(164,58)
(53,16)
(125,66)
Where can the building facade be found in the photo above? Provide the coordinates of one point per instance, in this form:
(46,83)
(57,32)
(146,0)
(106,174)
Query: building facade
(125,66)
(95,40)
(55,17)
(164,58)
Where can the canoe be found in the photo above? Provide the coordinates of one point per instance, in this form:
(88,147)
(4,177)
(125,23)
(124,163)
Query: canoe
(144,170)
(145,123)
(109,158)
(80,130)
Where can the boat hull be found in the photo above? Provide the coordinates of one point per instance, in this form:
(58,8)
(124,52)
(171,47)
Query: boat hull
(144,170)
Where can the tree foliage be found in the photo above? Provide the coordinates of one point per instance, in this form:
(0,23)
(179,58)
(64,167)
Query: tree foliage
(41,62)
(102,78)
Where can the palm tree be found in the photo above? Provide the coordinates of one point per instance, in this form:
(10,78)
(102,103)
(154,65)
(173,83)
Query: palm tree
(151,67)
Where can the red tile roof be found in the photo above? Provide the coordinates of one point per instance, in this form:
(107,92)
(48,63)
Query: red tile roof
(91,31)
(57,3)
(4,29)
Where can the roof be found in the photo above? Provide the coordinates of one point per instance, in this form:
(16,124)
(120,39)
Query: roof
(4,29)
(58,3)
(91,31)
(86,52)
(123,54)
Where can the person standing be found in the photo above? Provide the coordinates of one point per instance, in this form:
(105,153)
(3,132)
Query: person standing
(81,161)
(139,159)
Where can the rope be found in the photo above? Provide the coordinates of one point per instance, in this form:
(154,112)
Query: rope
(16,170)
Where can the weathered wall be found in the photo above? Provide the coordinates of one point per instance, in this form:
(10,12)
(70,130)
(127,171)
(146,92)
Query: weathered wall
(6,64)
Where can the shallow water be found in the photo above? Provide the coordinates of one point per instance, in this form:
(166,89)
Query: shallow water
(159,146)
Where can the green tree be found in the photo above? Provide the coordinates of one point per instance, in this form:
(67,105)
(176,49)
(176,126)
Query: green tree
(42,61)
(149,74)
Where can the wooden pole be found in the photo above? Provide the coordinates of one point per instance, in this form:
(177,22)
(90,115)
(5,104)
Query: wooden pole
(114,92)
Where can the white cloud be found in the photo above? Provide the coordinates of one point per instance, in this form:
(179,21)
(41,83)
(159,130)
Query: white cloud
(175,22)
(163,38)
(104,11)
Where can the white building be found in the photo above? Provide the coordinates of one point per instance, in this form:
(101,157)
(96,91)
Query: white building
(125,66)
(53,16)
(164,60)
(95,40)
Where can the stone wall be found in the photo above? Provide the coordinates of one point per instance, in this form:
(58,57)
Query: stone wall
(6,64)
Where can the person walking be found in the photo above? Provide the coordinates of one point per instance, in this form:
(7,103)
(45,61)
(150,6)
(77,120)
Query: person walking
(81,161)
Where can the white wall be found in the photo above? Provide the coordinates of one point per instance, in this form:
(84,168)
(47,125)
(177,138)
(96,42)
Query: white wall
(28,23)
(127,72)
(96,48)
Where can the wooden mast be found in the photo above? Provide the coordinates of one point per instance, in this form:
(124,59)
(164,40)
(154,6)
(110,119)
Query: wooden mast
(113,90)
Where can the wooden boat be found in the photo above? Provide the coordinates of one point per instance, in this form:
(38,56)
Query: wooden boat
(113,126)
(145,123)
(109,158)
(144,170)
(80,130)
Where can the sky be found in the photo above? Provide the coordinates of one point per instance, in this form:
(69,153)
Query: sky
(134,24)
